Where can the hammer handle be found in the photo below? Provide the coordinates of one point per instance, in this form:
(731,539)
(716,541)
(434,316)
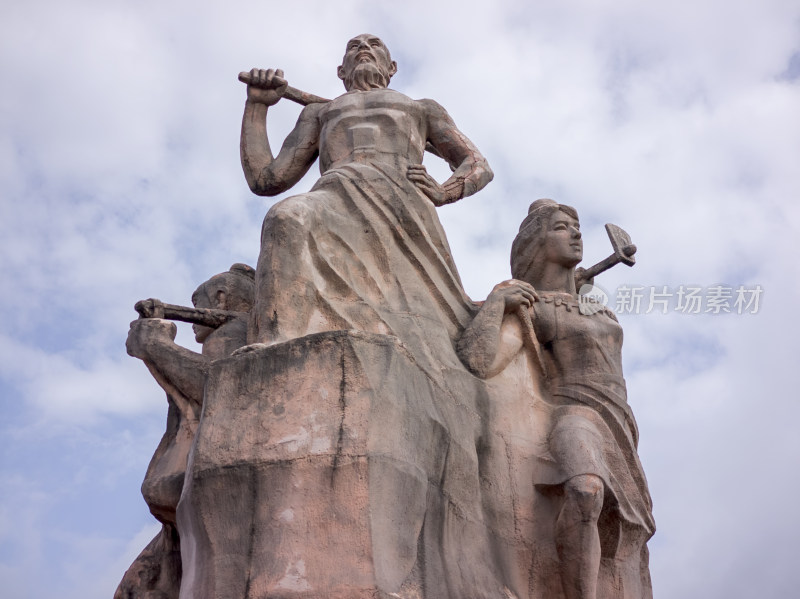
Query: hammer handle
(601,266)
(210,317)
(626,256)
(291,93)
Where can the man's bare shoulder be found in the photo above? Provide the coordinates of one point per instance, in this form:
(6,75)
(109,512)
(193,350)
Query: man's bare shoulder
(432,108)
(312,111)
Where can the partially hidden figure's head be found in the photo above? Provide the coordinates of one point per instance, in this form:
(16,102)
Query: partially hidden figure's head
(549,234)
(232,290)
(367,64)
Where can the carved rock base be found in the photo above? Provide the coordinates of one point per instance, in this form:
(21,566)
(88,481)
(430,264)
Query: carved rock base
(333,466)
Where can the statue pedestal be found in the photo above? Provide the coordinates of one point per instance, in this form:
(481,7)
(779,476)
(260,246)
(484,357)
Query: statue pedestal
(324,466)
(334,466)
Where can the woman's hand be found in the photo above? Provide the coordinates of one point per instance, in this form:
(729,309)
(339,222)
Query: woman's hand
(513,293)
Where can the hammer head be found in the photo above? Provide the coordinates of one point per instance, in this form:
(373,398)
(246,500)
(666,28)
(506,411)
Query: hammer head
(150,308)
(621,242)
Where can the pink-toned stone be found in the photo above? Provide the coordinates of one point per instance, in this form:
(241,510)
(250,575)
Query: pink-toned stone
(591,509)
(220,317)
(333,465)
(384,436)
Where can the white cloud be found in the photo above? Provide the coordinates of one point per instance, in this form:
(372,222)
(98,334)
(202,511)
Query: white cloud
(60,389)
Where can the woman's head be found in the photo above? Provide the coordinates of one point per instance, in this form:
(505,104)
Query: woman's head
(550,232)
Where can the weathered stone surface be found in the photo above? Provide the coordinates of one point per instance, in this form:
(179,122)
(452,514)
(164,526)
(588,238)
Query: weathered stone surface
(220,317)
(363,249)
(383,435)
(592,512)
(333,465)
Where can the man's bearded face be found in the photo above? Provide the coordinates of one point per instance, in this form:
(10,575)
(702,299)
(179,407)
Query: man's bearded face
(367,64)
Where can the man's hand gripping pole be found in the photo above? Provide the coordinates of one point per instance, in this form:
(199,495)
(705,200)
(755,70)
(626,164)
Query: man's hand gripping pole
(291,93)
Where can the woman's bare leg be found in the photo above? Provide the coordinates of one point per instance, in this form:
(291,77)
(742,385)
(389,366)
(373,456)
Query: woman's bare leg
(577,536)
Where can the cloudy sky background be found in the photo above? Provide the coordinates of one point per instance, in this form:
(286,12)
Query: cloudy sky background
(120,180)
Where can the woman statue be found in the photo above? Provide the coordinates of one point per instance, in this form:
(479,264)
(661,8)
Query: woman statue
(603,511)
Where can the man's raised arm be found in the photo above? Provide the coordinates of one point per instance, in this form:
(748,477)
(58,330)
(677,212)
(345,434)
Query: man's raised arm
(267,175)
(471,172)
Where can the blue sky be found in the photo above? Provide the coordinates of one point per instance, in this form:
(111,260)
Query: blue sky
(120,179)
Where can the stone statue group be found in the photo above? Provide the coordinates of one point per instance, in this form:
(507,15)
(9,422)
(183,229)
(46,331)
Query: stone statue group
(355,425)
